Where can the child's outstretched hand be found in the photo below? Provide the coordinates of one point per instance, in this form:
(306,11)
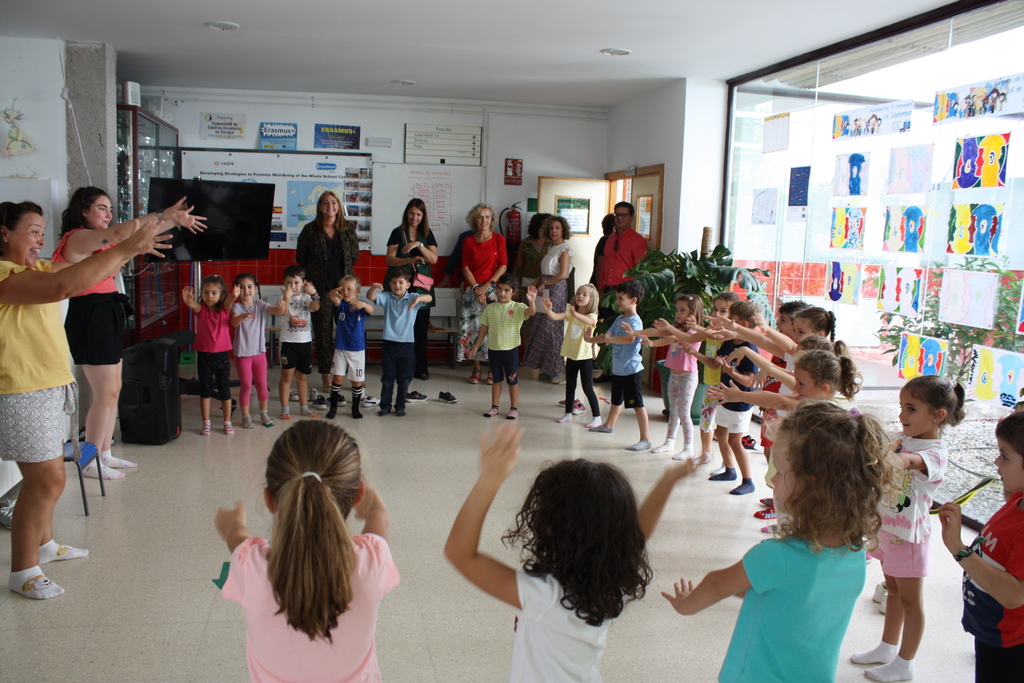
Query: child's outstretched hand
(187,295)
(228,518)
(721,393)
(236,290)
(644,340)
(308,287)
(737,355)
(683,588)
(499,451)
(663,324)
(366,504)
(376,285)
(531,293)
(690,322)
(950,516)
(546,303)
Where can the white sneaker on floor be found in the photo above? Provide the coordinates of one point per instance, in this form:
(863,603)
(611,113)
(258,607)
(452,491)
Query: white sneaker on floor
(368,401)
(294,396)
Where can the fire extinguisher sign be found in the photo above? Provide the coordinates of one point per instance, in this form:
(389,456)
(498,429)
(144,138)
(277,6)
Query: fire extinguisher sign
(513,171)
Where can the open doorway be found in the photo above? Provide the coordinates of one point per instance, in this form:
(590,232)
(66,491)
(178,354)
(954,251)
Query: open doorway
(644,189)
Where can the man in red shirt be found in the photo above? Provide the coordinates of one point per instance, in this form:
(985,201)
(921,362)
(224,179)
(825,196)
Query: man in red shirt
(623,249)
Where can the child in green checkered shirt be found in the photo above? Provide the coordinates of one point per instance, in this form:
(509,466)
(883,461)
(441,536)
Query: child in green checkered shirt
(500,323)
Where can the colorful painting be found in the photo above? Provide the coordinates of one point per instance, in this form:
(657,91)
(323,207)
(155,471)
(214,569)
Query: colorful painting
(1020,313)
(995,97)
(899,290)
(920,355)
(843,284)
(847,228)
(996,375)
(878,119)
(910,169)
(975,229)
(981,161)
(968,298)
(904,228)
(851,177)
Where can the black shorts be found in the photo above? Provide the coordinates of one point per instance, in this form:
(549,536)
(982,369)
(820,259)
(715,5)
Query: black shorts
(626,389)
(504,366)
(297,356)
(95,328)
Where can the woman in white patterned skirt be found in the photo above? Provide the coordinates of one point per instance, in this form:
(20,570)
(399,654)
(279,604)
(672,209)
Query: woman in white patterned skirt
(543,348)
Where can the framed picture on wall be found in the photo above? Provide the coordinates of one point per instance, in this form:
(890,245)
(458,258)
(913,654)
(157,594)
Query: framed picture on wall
(576,211)
(644,209)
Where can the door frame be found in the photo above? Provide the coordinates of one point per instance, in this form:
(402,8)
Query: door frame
(654,170)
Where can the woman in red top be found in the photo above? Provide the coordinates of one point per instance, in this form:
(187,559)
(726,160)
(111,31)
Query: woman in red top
(484,260)
(95,320)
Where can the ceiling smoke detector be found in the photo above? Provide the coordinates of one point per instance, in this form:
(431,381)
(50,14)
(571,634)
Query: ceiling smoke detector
(616,52)
(223,25)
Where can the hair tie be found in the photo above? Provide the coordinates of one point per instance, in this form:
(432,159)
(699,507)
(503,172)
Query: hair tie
(311,474)
(855,413)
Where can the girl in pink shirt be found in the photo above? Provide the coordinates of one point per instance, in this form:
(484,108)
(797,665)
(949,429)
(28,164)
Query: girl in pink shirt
(310,599)
(213,341)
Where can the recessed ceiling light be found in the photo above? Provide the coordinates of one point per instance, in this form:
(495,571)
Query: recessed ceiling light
(616,52)
(403,82)
(223,25)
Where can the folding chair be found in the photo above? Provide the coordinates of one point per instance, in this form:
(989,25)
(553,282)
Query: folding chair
(89,453)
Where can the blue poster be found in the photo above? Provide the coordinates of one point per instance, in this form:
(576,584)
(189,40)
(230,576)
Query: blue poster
(279,135)
(331,136)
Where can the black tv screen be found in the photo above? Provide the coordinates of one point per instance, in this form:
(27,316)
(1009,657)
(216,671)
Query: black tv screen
(238,219)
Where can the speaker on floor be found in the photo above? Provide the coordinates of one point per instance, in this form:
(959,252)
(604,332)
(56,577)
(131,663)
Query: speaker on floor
(149,406)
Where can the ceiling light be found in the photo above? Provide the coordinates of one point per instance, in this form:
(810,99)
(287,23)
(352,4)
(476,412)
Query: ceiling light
(616,52)
(223,25)
(403,82)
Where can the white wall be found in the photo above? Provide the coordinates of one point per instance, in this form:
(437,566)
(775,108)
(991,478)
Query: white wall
(704,136)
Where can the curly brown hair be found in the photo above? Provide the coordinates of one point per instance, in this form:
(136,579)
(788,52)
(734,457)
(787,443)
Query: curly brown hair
(844,471)
(580,524)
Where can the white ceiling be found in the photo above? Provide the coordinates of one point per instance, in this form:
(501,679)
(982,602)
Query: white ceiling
(528,51)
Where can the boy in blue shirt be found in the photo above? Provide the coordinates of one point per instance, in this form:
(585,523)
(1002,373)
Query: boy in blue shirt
(349,344)
(626,363)
(397,355)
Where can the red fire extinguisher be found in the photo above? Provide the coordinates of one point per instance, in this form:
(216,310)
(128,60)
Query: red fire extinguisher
(513,224)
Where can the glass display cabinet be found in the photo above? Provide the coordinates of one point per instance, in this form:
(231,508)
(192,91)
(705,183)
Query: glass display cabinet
(146,148)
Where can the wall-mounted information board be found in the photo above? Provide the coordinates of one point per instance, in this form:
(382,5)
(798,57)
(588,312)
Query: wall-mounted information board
(449,145)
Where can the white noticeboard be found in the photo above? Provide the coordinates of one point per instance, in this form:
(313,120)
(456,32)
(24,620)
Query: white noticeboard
(300,179)
(448,191)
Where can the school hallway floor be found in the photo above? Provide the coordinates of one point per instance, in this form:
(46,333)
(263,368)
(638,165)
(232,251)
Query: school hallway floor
(142,606)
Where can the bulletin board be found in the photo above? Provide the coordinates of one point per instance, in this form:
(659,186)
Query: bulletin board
(448,191)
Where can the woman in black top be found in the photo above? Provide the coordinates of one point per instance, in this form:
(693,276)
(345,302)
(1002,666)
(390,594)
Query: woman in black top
(412,245)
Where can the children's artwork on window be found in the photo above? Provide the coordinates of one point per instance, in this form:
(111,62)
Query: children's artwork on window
(910,169)
(981,161)
(919,355)
(851,177)
(994,97)
(1020,313)
(904,228)
(968,297)
(975,229)
(766,200)
(996,375)
(843,283)
(899,290)
(847,228)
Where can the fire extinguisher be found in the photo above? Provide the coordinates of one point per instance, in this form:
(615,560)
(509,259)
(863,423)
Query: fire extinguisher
(513,224)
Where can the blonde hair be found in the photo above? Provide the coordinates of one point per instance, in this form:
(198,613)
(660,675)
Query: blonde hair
(350,278)
(313,475)
(844,470)
(476,211)
(594,299)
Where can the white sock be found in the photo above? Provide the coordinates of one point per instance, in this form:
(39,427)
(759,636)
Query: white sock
(33,584)
(667,447)
(108,459)
(685,454)
(53,551)
(883,654)
(898,669)
(720,470)
(92,470)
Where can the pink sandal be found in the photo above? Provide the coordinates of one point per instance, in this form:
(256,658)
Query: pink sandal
(474,378)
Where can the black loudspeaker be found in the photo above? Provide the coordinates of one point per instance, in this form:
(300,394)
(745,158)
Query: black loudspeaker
(149,405)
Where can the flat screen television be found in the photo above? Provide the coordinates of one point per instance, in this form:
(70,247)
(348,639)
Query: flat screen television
(238,219)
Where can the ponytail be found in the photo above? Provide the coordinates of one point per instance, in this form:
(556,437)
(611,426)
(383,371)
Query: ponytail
(849,378)
(939,393)
(820,320)
(825,367)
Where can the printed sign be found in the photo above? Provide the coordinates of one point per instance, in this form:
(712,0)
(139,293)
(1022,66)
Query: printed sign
(879,119)
(221,126)
(513,171)
(279,135)
(996,97)
(333,136)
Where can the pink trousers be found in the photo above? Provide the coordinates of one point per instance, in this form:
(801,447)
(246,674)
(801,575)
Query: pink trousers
(252,368)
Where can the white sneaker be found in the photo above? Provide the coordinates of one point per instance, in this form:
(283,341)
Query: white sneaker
(293,397)
(368,401)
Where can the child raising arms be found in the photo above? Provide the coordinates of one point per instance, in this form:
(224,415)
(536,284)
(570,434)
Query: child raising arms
(834,468)
(299,299)
(213,341)
(927,404)
(310,598)
(581,315)
(249,318)
(349,344)
(585,541)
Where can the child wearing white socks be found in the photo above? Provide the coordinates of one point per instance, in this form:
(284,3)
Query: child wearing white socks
(32,583)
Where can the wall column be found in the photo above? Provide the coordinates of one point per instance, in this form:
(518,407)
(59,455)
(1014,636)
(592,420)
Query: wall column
(91,79)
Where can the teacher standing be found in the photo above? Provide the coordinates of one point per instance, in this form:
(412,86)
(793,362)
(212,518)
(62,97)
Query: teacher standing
(484,260)
(328,251)
(543,348)
(412,245)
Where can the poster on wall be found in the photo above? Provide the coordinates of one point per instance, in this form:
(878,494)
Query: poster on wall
(910,169)
(765,202)
(847,228)
(335,136)
(904,228)
(279,135)
(981,161)
(968,298)
(221,126)
(920,355)
(975,229)
(843,283)
(300,179)
(995,97)
(899,290)
(776,133)
(851,176)
(799,190)
(878,119)
(997,376)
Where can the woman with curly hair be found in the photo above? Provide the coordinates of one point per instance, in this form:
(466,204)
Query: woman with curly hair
(585,557)
(484,260)
(543,348)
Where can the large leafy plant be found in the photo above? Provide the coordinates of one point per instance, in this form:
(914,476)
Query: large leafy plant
(961,338)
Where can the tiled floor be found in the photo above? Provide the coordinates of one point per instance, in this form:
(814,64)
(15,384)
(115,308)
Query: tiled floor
(142,606)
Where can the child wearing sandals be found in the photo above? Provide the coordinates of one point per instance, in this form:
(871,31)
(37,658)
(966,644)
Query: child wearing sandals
(581,316)
(212,343)
(927,404)
(249,318)
(500,323)
(800,588)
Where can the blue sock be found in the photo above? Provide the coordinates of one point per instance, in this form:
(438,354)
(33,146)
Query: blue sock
(746,486)
(728,475)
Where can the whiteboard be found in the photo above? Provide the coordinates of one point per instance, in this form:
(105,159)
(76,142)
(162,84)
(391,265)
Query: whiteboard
(448,191)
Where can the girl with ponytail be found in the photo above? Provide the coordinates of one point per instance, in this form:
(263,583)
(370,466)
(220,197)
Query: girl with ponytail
(310,598)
